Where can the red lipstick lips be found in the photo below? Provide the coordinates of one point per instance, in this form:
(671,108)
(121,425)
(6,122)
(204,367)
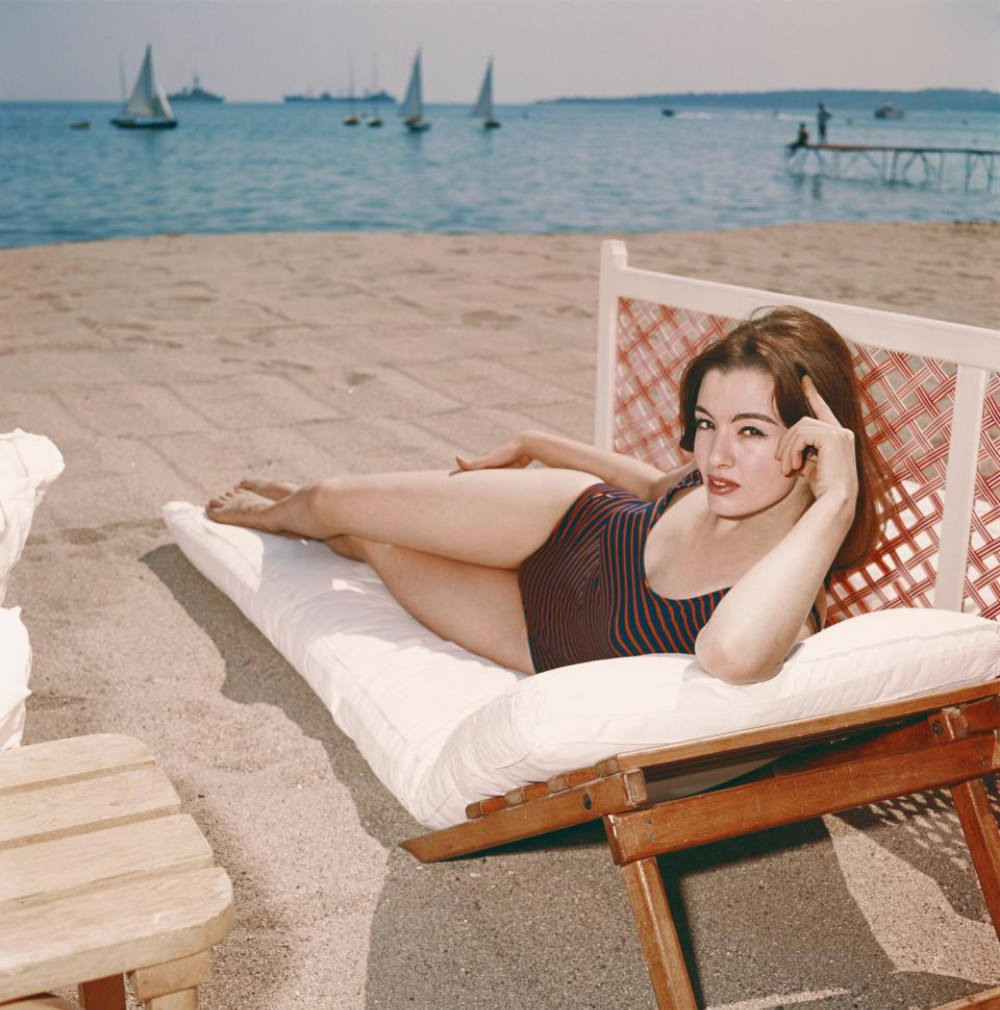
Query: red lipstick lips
(719,485)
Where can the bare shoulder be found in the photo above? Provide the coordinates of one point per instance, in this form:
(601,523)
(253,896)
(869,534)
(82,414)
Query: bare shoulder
(668,479)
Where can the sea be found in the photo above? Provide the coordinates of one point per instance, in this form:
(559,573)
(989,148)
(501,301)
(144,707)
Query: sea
(615,167)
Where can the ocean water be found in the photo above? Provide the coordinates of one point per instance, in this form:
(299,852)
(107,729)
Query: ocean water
(556,167)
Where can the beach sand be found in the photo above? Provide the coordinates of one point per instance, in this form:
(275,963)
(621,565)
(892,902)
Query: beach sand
(170,367)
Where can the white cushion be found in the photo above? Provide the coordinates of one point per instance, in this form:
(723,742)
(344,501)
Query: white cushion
(441,727)
(28,464)
(15,666)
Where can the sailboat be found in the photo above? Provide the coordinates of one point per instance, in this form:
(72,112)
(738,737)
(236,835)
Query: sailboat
(412,109)
(484,103)
(374,119)
(352,118)
(148,108)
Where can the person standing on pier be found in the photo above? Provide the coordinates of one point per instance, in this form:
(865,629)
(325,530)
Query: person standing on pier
(823,116)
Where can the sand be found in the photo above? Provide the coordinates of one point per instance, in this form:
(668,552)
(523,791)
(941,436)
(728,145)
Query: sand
(170,367)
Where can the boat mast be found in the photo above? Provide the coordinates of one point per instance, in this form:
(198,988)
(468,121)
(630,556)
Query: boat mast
(484,103)
(412,109)
(373,116)
(121,79)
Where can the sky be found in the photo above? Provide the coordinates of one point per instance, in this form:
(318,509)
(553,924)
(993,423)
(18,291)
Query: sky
(259,50)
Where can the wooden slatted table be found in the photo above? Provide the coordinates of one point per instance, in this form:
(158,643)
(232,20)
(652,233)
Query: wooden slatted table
(101,875)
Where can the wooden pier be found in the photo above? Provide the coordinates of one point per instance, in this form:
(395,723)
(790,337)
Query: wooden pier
(912,165)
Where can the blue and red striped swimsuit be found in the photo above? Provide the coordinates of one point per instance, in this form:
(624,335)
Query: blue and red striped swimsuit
(585,593)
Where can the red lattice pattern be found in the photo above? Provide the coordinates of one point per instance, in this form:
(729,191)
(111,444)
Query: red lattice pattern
(908,403)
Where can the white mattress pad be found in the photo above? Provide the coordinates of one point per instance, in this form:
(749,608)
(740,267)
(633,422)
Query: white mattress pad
(441,727)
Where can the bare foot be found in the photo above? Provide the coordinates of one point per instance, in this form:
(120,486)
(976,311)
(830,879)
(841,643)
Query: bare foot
(274,490)
(240,507)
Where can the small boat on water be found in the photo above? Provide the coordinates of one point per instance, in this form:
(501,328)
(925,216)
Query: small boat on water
(148,108)
(352,118)
(888,112)
(412,109)
(670,112)
(484,103)
(81,124)
(375,96)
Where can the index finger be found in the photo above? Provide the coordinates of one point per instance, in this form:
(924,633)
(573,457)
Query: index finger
(818,404)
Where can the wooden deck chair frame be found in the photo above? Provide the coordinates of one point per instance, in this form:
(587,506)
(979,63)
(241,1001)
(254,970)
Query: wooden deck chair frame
(819,765)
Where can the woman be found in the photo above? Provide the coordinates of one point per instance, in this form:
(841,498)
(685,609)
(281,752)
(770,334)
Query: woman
(598,554)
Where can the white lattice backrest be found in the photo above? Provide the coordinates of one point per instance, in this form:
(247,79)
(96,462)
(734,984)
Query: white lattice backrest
(932,410)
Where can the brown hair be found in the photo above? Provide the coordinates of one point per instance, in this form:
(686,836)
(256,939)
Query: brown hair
(788,343)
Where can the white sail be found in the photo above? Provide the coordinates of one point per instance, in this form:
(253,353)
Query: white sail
(148,98)
(484,103)
(413,102)
(161,104)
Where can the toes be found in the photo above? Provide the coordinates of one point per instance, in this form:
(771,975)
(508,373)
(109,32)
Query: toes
(221,499)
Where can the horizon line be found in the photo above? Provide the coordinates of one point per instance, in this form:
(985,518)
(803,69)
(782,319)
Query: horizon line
(636,97)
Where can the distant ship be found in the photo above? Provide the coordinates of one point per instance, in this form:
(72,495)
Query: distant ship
(196,93)
(309,96)
(888,112)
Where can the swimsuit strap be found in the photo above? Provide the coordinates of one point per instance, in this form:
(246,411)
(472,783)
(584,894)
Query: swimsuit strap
(692,479)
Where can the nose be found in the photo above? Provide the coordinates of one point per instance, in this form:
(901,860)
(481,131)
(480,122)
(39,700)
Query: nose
(721,451)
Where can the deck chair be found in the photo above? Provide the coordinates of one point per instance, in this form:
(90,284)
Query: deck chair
(933,408)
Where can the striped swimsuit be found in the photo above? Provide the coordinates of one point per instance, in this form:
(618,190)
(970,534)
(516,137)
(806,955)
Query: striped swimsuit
(585,593)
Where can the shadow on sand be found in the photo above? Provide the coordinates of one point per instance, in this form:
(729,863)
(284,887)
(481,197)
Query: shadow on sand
(545,923)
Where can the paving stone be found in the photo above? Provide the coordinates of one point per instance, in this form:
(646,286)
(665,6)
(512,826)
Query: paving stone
(112,479)
(214,460)
(488,383)
(37,413)
(252,400)
(134,409)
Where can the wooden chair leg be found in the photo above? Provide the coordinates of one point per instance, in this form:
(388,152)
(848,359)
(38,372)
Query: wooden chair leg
(173,985)
(103,993)
(989,1000)
(658,934)
(983,838)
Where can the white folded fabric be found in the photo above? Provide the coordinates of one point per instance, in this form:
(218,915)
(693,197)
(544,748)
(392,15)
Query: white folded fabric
(28,464)
(442,727)
(15,668)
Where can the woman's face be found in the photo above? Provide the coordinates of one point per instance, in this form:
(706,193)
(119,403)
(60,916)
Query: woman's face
(737,427)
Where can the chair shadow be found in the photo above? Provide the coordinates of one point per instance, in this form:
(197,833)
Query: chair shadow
(545,922)
(256,673)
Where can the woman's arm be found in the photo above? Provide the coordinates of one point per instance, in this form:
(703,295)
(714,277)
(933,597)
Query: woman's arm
(752,630)
(626,472)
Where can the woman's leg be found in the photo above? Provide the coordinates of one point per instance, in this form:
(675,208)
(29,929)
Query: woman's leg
(478,608)
(494,518)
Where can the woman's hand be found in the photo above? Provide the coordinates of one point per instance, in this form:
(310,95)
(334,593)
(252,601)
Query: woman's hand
(563,453)
(820,449)
(512,454)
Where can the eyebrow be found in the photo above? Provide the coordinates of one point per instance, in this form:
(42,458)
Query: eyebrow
(741,417)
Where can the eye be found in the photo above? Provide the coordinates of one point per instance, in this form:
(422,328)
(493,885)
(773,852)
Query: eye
(751,431)
(703,424)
